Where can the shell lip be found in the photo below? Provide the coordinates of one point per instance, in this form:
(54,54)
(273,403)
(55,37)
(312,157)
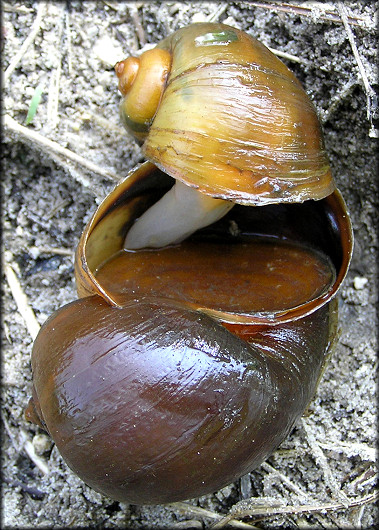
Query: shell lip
(85,269)
(87,283)
(246,198)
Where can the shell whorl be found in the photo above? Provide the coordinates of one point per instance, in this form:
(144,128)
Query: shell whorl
(142,81)
(234,122)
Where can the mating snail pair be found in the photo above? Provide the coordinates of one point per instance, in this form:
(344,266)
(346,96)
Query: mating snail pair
(207,278)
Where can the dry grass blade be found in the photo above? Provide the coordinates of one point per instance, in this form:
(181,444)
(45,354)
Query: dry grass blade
(55,148)
(22,302)
(28,41)
(270,511)
(186,508)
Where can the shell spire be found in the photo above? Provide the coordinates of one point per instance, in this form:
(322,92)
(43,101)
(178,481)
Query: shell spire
(142,81)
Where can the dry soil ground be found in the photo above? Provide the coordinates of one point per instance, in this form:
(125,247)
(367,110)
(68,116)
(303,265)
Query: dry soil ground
(66,50)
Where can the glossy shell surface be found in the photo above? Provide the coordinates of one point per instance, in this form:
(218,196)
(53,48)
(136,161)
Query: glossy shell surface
(153,399)
(235,122)
(153,403)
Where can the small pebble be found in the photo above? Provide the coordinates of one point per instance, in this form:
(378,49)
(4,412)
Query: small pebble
(359,282)
(108,52)
(41,443)
(34,252)
(98,90)
(199,17)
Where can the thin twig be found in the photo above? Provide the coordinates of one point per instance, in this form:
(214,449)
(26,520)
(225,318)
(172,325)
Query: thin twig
(288,56)
(306,11)
(183,507)
(53,97)
(290,485)
(367,478)
(111,127)
(133,10)
(35,493)
(109,4)
(53,94)
(352,449)
(55,250)
(337,100)
(370,93)
(27,42)
(357,517)
(214,17)
(68,45)
(54,147)
(16,9)
(271,511)
(26,445)
(9,432)
(22,302)
(57,208)
(323,463)
(37,460)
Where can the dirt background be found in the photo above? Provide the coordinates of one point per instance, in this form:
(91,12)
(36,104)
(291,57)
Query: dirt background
(68,49)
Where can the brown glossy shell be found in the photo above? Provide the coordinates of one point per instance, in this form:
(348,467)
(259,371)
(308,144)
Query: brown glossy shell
(153,396)
(235,122)
(152,403)
(154,400)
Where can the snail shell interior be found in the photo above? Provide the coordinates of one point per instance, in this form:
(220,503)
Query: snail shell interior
(320,227)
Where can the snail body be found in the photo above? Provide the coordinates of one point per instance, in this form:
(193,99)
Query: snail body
(184,364)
